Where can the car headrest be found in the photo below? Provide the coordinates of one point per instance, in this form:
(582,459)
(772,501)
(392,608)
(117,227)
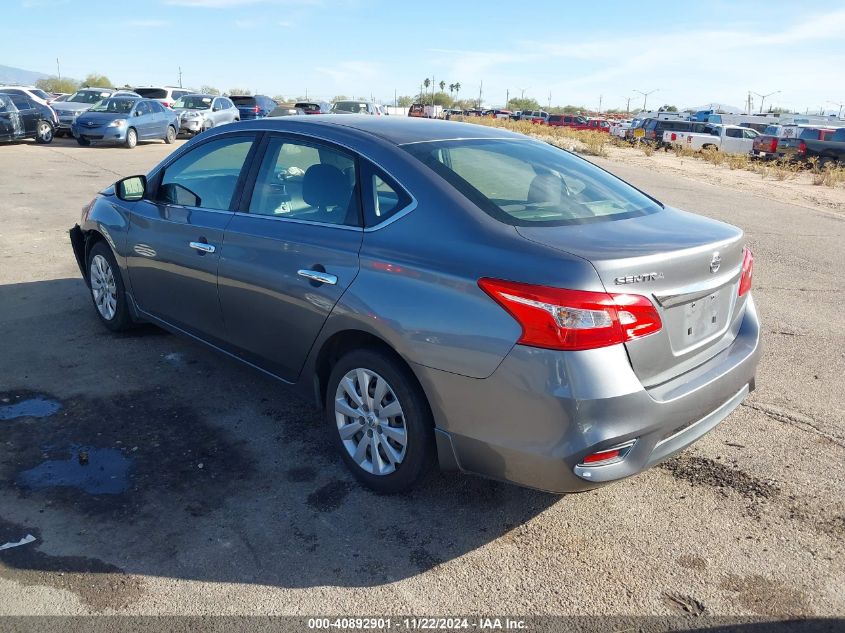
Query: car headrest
(545,189)
(325,186)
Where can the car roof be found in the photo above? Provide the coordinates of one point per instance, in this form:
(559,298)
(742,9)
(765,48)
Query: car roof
(395,130)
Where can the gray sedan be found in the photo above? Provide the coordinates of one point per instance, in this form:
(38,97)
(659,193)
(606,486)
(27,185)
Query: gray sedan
(448,293)
(198,112)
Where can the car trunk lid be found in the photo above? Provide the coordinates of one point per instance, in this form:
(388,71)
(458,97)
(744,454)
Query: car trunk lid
(687,265)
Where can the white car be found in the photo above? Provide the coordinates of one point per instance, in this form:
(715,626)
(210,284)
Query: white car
(731,139)
(165,95)
(36,94)
(198,113)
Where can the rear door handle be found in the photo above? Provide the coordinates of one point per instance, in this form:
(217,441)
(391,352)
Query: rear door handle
(318,276)
(204,247)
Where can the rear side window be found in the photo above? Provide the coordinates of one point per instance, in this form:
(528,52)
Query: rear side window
(21,103)
(733,132)
(207,176)
(809,134)
(383,197)
(526,183)
(308,182)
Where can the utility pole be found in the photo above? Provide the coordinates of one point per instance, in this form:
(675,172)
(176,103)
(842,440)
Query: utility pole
(180,76)
(58,69)
(550,100)
(748,105)
(507,98)
(395,102)
(480,88)
(836,103)
(600,96)
(645,96)
(763,98)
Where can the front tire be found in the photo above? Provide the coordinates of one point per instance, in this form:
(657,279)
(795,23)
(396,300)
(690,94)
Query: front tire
(44,133)
(131,138)
(107,289)
(379,421)
(84,142)
(171,135)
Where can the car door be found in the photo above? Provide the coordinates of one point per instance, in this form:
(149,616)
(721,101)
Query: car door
(732,141)
(143,120)
(290,252)
(176,235)
(27,113)
(10,123)
(159,120)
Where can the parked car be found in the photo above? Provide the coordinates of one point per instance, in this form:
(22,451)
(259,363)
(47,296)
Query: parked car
(288,109)
(253,106)
(198,113)
(731,139)
(765,146)
(556,328)
(619,129)
(165,95)
(535,116)
(79,102)
(313,107)
(22,117)
(567,120)
(126,120)
(356,107)
(448,113)
(826,145)
(417,110)
(653,129)
(35,94)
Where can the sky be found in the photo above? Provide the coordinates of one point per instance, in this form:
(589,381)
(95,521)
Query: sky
(580,53)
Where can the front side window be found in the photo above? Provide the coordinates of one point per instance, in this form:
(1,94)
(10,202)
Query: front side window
(207,176)
(527,183)
(142,108)
(306,182)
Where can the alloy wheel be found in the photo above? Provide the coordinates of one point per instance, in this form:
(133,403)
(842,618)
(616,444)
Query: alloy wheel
(45,133)
(370,422)
(103,287)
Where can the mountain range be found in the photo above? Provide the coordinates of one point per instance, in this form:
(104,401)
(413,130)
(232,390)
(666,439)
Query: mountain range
(12,75)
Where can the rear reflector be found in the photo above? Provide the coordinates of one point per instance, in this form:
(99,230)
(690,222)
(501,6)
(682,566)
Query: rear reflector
(747,272)
(608,455)
(555,318)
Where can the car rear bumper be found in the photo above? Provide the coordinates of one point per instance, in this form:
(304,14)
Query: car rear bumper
(542,412)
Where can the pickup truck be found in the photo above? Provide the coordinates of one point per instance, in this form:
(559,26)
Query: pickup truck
(825,144)
(731,139)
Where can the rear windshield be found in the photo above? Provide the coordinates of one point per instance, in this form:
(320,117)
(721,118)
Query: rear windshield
(308,107)
(528,183)
(88,96)
(194,102)
(152,93)
(121,106)
(243,101)
(40,93)
(356,107)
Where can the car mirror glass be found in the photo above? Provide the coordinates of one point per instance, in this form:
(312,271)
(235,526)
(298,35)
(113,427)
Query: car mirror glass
(131,189)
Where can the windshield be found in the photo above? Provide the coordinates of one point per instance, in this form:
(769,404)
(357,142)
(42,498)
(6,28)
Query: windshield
(356,107)
(118,106)
(193,102)
(527,183)
(88,96)
(40,94)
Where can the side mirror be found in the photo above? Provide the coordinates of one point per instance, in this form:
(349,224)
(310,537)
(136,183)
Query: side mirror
(131,189)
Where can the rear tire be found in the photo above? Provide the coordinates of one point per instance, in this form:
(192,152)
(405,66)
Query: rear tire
(387,440)
(131,138)
(107,291)
(43,133)
(171,135)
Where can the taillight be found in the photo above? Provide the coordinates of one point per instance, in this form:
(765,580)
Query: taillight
(674,136)
(802,147)
(747,272)
(774,146)
(555,318)
(257,109)
(166,104)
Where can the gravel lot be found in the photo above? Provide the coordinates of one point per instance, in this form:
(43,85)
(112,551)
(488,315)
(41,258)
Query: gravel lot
(233,504)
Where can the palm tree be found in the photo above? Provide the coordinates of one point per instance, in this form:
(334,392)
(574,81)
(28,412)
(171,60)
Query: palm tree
(442,86)
(451,90)
(457,91)
(426,83)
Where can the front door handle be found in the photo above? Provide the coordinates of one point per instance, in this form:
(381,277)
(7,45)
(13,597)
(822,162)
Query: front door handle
(203,247)
(318,276)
